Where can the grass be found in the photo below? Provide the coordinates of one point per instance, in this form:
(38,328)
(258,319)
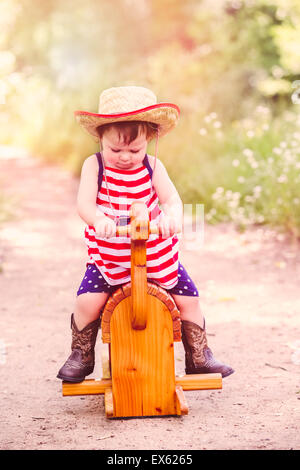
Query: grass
(248,172)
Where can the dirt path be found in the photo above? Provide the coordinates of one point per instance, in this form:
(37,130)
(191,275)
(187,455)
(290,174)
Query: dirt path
(249,285)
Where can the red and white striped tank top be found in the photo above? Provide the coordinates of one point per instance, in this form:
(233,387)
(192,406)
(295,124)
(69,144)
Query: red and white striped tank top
(112,255)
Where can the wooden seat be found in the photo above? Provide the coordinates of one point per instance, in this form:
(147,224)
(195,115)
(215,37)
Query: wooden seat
(152,290)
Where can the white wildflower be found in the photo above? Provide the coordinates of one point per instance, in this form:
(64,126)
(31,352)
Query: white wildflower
(257,190)
(202,131)
(233,203)
(277,71)
(217,124)
(235,162)
(288,156)
(218,194)
(250,134)
(248,153)
(262,109)
(241,179)
(282,179)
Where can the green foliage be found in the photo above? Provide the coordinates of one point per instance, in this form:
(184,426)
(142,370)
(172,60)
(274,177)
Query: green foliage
(261,177)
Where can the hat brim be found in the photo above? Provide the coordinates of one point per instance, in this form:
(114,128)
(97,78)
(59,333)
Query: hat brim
(166,115)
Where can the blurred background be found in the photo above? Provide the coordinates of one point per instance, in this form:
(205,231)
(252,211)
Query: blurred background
(233,68)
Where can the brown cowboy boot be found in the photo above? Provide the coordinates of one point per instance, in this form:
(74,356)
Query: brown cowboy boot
(198,357)
(81,362)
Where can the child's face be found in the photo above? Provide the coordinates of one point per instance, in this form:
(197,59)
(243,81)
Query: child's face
(118,154)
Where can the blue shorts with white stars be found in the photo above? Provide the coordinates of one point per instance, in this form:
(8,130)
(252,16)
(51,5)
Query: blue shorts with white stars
(93,281)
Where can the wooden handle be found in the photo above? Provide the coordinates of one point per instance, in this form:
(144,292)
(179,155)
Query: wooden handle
(125,230)
(139,233)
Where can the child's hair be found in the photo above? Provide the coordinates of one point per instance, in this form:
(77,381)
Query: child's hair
(130,130)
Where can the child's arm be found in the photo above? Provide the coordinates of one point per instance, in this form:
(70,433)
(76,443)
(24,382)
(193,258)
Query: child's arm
(86,200)
(169,199)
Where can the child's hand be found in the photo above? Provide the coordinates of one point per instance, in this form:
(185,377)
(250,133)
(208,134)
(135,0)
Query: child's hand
(168,226)
(105,227)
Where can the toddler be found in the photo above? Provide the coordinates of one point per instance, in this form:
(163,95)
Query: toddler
(123,172)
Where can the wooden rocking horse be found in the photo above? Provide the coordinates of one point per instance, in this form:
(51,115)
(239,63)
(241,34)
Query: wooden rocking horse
(140,322)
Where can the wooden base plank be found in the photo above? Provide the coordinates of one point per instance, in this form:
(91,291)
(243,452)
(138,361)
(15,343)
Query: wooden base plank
(87,387)
(187,382)
(200,381)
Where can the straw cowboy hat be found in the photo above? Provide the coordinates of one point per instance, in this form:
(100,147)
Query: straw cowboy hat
(129,103)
